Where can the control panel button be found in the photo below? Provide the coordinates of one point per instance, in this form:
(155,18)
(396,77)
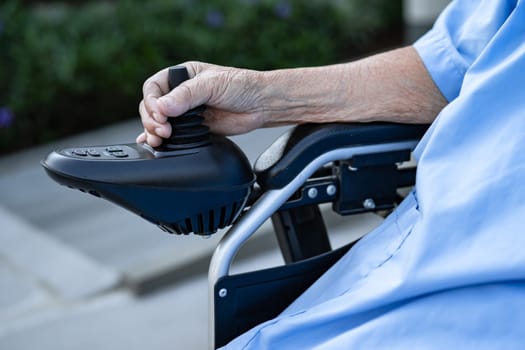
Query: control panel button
(93,152)
(112,149)
(80,152)
(120,154)
(101,153)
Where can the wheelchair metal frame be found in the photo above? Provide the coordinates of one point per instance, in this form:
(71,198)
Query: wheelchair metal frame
(268,204)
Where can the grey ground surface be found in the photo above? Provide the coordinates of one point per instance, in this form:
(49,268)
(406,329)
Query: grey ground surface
(77,272)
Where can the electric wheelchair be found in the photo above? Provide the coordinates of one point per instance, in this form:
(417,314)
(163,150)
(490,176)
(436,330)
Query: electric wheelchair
(197,182)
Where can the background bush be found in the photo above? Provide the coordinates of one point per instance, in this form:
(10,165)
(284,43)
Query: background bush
(66,68)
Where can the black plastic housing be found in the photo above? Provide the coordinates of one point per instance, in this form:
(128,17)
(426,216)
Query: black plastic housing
(200,189)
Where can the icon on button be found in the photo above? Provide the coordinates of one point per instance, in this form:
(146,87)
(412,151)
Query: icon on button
(119,154)
(93,152)
(80,152)
(113,149)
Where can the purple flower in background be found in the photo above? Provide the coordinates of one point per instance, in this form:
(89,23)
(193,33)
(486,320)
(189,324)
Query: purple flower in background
(6,117)
(283,9)
(215,19)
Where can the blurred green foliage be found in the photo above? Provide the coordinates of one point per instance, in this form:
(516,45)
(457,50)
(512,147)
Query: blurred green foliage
(68,67)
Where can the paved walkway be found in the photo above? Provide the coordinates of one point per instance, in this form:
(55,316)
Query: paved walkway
(77,272)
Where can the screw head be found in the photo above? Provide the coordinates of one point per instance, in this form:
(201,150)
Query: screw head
(223,292)
(312,193)
(331,190)
(369,203)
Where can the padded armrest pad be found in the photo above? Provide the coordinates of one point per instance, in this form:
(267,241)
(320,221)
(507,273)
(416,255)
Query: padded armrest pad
(291,152)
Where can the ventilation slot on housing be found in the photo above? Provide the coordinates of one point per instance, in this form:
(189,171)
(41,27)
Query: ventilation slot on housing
(213,225)
(209,222)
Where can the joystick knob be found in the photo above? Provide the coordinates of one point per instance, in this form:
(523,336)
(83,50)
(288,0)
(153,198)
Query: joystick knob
(187,130)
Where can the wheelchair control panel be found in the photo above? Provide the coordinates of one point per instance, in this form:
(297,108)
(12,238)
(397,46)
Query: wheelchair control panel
(194,182)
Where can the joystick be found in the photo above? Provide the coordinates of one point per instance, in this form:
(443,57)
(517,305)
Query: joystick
(195,181)
(187,129)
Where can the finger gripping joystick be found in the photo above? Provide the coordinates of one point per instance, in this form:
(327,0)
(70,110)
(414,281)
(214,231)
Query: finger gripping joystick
(187,130)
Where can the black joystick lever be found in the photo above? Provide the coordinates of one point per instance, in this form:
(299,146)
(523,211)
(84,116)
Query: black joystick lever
(187,130)
(194,182)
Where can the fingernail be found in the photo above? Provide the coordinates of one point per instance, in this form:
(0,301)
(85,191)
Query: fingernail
(141,138)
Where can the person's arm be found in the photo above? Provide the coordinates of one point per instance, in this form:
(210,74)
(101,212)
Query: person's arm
(393,86)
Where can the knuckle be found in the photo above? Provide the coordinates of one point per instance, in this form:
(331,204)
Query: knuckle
(186,92)
(150,86)
(194,67)
(146,85)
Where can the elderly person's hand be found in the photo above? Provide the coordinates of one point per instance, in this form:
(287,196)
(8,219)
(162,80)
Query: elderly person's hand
(393,86)
(233,98)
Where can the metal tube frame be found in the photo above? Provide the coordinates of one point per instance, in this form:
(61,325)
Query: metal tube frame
(263,209)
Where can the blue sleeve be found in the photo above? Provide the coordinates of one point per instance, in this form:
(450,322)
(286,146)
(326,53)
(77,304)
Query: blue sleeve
(458,38)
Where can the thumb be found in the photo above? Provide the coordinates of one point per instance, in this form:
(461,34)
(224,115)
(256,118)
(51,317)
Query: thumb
(189,94)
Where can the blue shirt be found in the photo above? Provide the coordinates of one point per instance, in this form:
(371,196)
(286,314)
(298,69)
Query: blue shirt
(447,268)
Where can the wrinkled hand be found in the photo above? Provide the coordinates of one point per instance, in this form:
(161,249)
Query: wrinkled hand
(233,98)
(394,86)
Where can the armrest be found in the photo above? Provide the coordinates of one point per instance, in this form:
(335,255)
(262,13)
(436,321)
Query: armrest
(291,152)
